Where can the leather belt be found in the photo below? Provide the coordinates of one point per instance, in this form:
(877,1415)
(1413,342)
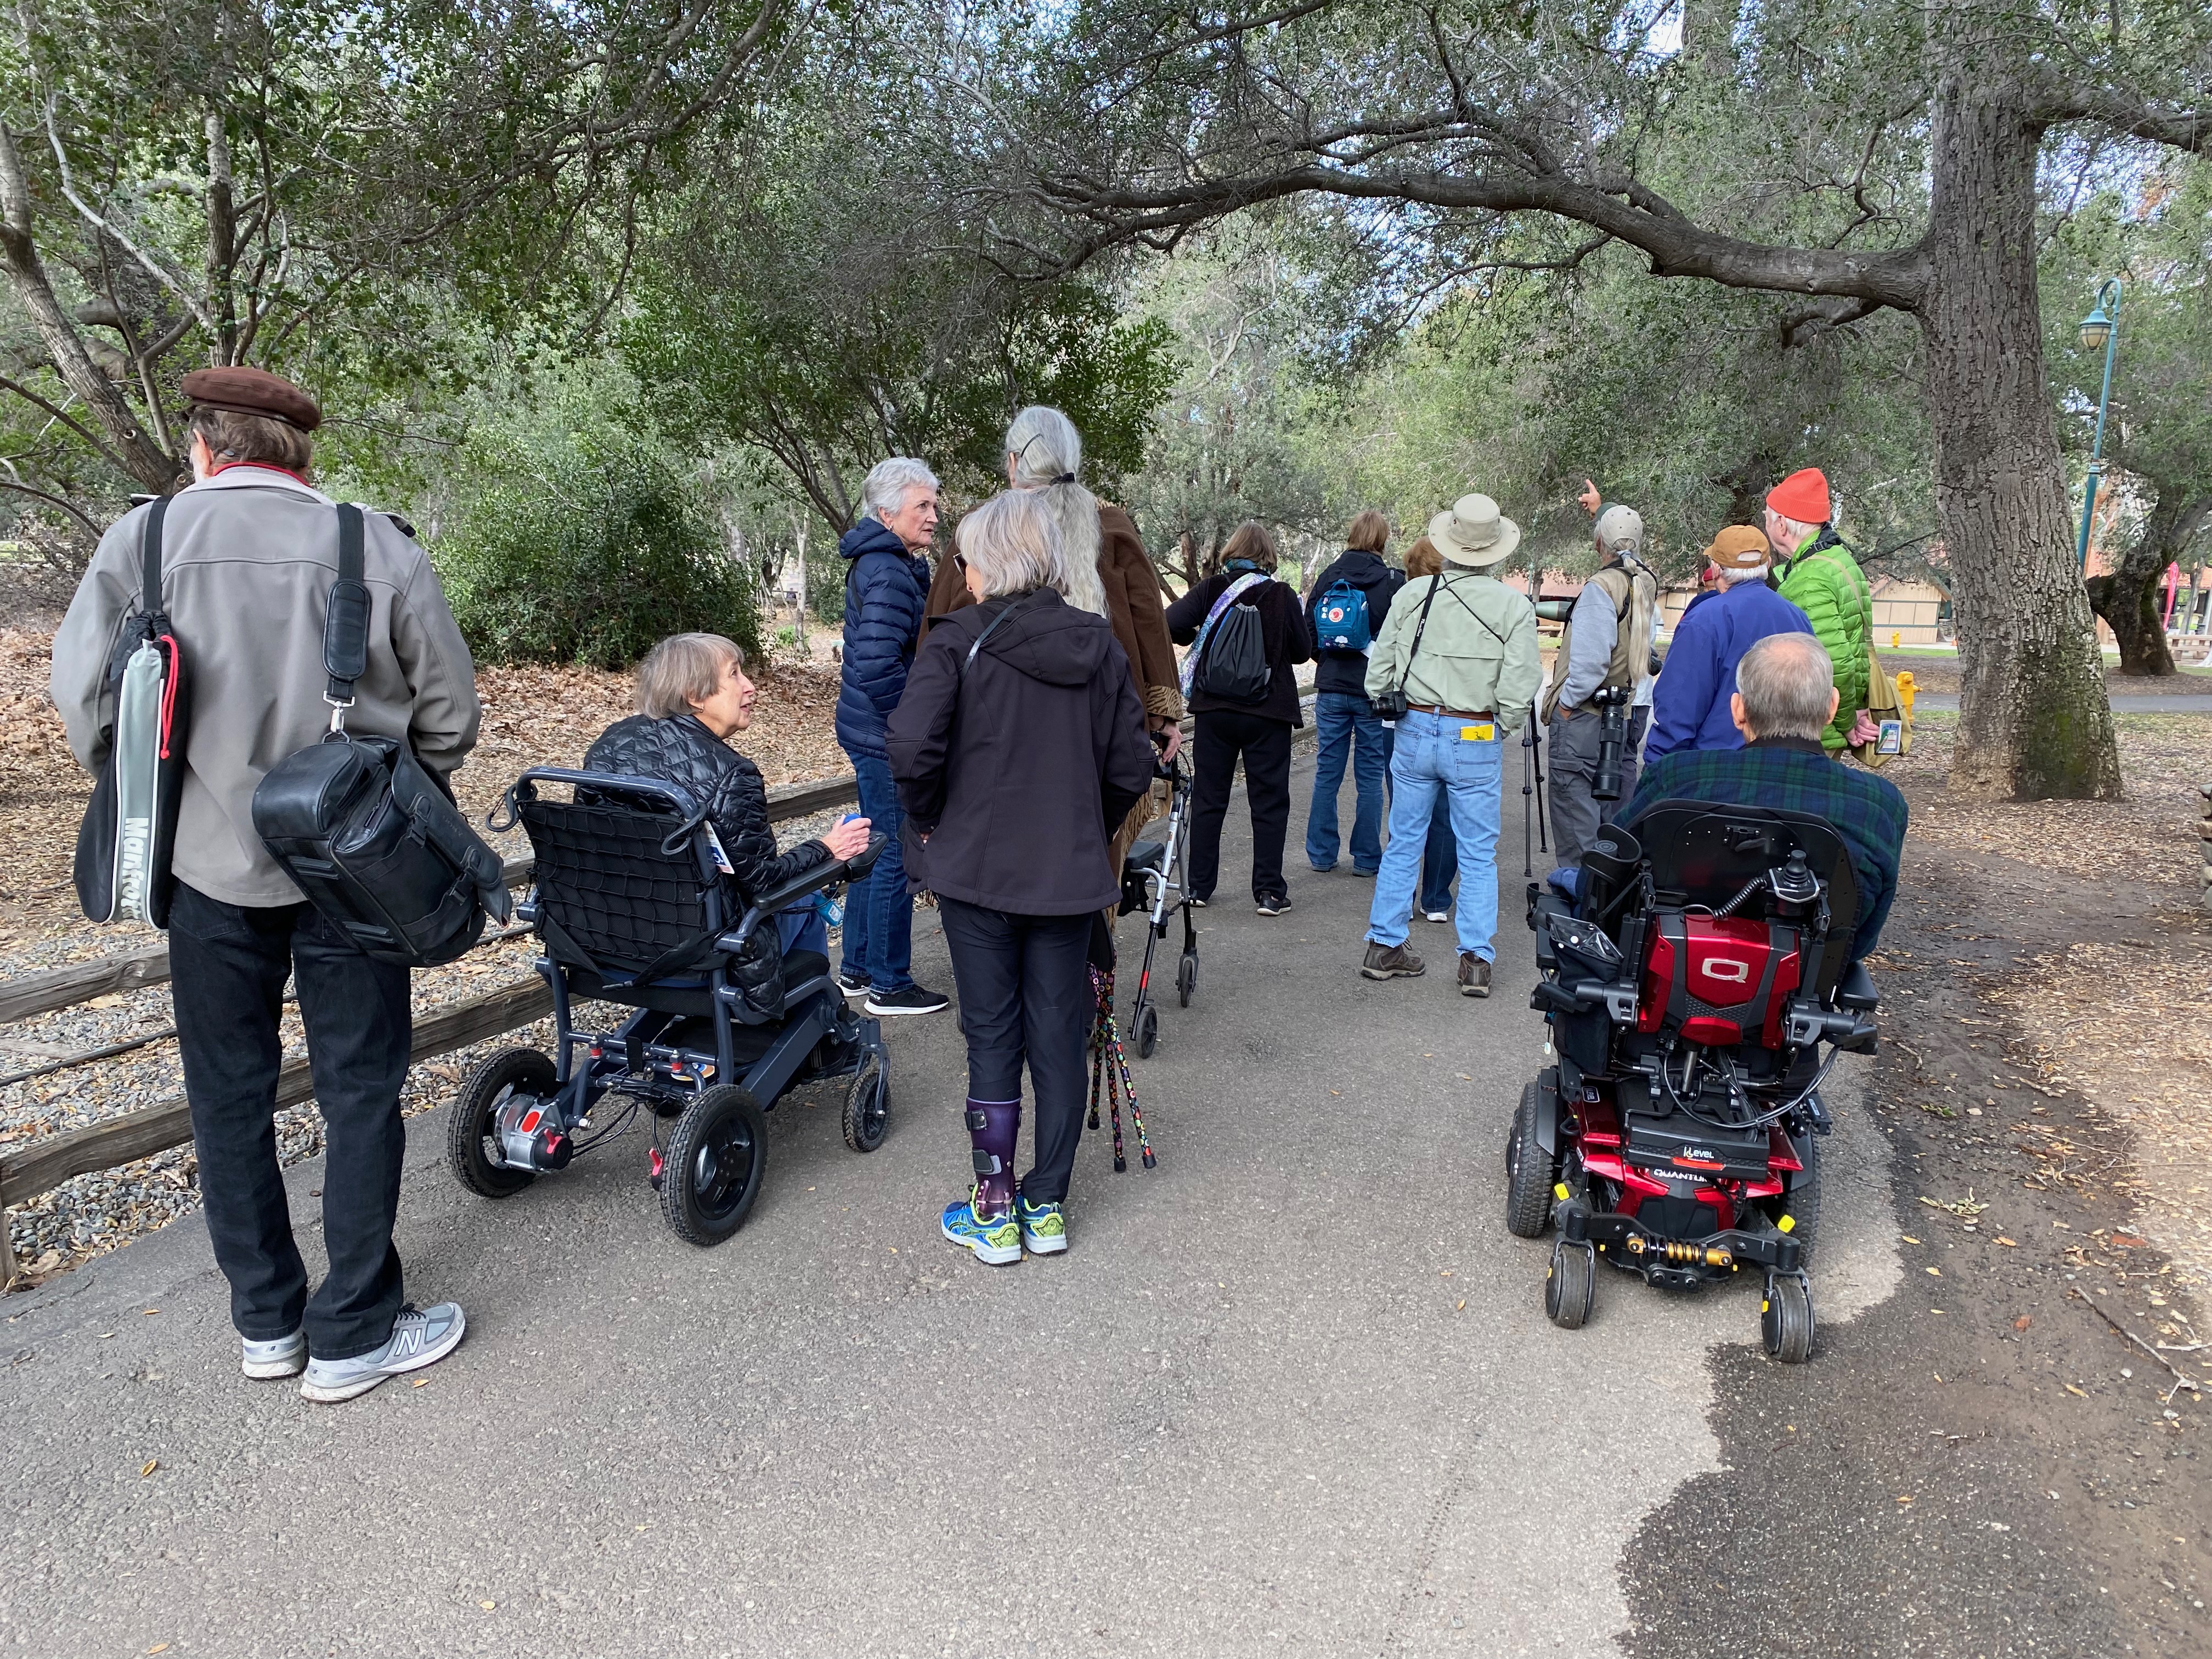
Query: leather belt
(1449,714)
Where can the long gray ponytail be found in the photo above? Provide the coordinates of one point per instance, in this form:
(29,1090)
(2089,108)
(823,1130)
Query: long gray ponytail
(1048,454)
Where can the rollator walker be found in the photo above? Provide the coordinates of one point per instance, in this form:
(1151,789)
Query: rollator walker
(631,908)
(1156,881)
(1689,984)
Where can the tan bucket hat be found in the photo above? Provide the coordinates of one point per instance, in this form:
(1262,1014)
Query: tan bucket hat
(1474,533)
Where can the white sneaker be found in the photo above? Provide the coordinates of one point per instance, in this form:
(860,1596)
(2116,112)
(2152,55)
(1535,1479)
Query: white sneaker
(1439,915)
(286,1355)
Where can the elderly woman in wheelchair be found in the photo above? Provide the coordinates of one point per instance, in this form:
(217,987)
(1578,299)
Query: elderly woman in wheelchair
(658,886)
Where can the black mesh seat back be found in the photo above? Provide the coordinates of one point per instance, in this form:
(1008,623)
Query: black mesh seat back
(1707,850)
(602,877)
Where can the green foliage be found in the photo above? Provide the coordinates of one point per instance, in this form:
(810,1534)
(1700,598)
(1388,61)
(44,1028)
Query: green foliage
(586,546)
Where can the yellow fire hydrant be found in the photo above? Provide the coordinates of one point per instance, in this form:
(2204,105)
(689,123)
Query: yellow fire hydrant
(1904,684)
(1895,638)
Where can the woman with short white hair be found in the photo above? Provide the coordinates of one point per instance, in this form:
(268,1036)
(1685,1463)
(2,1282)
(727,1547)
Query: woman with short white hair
(1018,747)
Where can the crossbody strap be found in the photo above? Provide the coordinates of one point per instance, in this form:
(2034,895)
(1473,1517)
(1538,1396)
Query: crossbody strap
(1420,626)
(1470,610)
(345,620)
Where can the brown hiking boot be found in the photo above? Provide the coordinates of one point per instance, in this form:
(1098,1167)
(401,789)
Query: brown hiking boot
(1392,962)
(1473,975)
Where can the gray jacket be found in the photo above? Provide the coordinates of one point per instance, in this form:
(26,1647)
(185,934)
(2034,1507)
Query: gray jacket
(247,560)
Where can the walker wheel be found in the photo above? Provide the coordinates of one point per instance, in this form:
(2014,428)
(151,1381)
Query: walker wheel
(1148,1030)
(1571,1285)
(1785,1319)
(1187,976)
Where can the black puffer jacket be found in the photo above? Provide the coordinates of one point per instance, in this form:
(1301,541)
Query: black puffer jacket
(682,752)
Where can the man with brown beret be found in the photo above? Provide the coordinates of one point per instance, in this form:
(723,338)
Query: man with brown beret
(248,552)
(1690,700)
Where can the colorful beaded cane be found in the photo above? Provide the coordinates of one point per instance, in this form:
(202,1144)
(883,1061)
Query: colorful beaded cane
(1114,1082)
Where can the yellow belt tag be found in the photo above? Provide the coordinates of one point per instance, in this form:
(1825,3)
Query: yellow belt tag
(1482,733)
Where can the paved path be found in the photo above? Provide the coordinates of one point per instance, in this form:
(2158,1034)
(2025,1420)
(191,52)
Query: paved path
(2173,702)
(1245,1415)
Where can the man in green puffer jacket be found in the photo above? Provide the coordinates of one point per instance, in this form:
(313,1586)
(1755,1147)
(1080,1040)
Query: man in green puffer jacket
(1815,572)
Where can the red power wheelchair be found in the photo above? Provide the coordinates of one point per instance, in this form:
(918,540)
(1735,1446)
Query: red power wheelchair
(1692,974)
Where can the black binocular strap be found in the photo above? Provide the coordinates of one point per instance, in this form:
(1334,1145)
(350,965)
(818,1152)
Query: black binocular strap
(345,622)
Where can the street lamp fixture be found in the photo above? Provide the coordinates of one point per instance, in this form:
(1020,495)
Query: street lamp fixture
(2100,331)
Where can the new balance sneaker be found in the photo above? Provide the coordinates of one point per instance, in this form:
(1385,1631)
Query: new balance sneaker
(1044,1229)
(1274,904)
(420,1337)
(912,1001)
(1473,975)
(853,981)
(286,1355)
(1392,962)
(996,1240)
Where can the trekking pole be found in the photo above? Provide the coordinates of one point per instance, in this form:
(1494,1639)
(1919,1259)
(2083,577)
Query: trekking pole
(1541,845)
(1527,791)
(1114,1082)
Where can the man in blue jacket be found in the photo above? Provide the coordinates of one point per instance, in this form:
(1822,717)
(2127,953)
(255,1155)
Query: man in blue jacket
(886,581)
(1690,702)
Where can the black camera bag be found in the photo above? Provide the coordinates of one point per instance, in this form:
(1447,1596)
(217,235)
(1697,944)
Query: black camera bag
(371,836)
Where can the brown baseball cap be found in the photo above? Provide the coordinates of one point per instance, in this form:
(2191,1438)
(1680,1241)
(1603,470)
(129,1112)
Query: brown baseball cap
(1739,547)
(253,392)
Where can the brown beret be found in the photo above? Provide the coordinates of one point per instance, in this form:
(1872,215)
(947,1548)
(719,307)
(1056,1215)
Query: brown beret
(253,392)
(1739,547)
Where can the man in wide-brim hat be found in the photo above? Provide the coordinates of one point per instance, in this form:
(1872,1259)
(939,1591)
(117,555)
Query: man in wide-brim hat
(1462,648)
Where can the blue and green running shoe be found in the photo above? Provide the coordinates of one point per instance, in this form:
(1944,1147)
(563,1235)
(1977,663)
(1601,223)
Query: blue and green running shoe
(1044,1229)
(996,1240)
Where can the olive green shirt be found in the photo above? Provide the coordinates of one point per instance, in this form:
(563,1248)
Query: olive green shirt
(1478,652)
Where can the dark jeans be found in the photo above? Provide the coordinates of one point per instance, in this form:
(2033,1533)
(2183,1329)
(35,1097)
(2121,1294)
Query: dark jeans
(1348,731)
(227,964)
(1221,735)
(879,912)
(1440,854)
(1025,985)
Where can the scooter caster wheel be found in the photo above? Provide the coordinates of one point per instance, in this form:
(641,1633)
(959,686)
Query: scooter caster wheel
(1571,1285)
(1785,1319)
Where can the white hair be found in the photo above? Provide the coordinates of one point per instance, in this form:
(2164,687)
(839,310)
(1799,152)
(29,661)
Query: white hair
(1048,454)
(1013,542)
(883,491)
(1785,681)
(1730,577)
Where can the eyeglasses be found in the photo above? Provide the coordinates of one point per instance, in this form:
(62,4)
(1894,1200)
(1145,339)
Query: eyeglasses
(960,563)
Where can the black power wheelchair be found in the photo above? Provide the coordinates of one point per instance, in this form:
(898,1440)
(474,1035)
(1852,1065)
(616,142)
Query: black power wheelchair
(631,908)
(1689,984)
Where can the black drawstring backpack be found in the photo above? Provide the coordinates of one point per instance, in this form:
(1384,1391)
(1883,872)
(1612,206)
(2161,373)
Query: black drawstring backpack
(372,837)
(129,829)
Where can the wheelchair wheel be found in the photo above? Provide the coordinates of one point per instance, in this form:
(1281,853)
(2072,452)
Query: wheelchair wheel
(1785,1319)
(717,1155)
(1148,1030)
(1801,1203)
(1531,1172)
(867,1105)
(473,1129)
(1571,1285)
(1187,977)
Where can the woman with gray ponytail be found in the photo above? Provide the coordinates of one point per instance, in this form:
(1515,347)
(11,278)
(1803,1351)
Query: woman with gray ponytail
(1106,570)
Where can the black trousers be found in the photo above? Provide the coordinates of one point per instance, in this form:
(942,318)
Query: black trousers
(1220,737)
(228,963)
(1025,985)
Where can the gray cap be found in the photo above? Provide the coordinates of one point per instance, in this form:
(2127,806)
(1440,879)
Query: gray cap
(1620,529)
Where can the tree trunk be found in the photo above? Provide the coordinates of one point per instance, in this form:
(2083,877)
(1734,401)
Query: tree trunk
(132,450)
(2127,600)
(2035,723)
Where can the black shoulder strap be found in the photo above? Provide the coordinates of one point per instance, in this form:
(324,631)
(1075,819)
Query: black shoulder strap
(1420,626)
(150,558)
(990,628)
(346,623)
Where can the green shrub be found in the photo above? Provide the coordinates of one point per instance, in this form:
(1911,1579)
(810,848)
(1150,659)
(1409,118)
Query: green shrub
(587,548)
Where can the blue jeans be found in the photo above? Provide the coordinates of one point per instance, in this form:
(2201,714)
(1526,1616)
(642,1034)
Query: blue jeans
(802,929)
(1440,857)
(1348,727)
(879,912)
(1432,757)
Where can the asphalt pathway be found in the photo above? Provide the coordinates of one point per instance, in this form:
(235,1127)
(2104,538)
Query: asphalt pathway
(2162,702)
(1292,1391)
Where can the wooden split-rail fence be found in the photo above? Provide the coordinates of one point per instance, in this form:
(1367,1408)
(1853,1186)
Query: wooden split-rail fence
(37,1166)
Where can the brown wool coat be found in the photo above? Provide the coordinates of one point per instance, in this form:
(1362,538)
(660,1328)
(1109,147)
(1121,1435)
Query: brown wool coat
(1134,606)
